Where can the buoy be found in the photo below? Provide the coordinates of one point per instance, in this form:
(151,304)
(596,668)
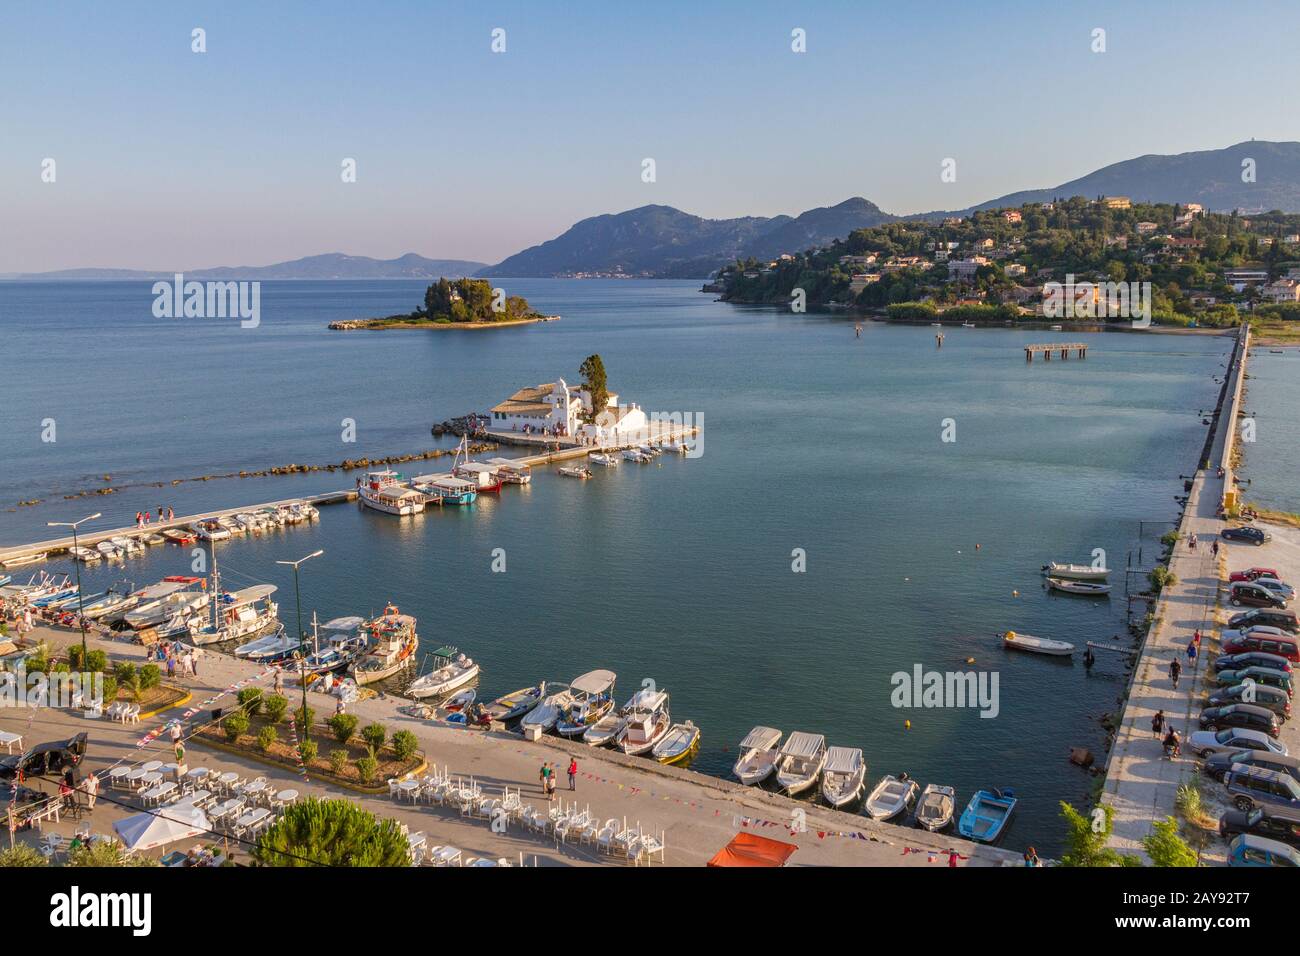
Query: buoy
(1015,594)
(907,725)
(970,660)
(977,547)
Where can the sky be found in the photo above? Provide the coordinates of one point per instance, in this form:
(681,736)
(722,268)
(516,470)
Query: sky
(169,159)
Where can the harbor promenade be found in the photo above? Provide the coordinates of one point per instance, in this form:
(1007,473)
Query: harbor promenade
(696,814)
(1141,783)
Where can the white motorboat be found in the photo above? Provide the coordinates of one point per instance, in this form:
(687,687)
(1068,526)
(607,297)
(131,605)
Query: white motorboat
(890,797)
(1037,645)
(600,458)
(679,745)
(236,614)
(118,597)
(383,491)
(511,471)
(647,722)
(20,560)
(110,551)
(843,776)
(593,699)
(1077,587)
(650,451)
(800,763)
(153,539)
(126,544)
(675,447)
(634,454)
(85,555)
(603,732)
(271,647)
(758,755)
(210,529)
(232,524)
(547,713)
(516,703)
(1075,572)
(147,614)
(575,471)
(451,669)
(935,809)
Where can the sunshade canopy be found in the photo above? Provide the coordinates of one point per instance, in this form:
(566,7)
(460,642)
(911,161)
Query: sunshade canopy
(760,738)
(595,682)
(343,624)
(800,744)
(750,849)
(843,759)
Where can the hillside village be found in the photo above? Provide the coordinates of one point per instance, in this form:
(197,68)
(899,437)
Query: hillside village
(1205,268)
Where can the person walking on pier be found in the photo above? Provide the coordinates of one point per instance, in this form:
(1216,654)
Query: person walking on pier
(573,773)
(1158,723)
(1191,652)
(171,515)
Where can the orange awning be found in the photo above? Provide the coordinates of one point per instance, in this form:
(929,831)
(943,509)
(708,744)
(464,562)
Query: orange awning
(750,849)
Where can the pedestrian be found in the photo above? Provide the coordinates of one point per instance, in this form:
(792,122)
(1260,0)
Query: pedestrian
(573,773)
(176,732)
(1192,542)
(279,678)
(1214,547)
(171,665)
(1191,652)
(194,661)
(1158,723)
(339,707)
(1196,638)
(92,790)
(138,516)
(148,517)
(1175,668)
(1031,857)
(180,753)
(546,780)
(550,781)
(171,515)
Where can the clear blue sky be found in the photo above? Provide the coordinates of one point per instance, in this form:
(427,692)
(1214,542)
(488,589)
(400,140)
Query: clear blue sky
(170,159)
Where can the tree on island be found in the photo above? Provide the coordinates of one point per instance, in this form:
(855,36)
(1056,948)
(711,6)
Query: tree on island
(472,300)
(332,833)
(594,381)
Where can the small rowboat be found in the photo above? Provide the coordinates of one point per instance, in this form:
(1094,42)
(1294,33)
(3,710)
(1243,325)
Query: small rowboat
(678,745)
(986,816)
(153,539)
(575,471)
(179,536)
(516,703)
(1038,645)
(597,458)
(85,555)
(891,797)
(843,777)
(1075,572)
(935,808)
(604,731)
(758,755)
(1077,587)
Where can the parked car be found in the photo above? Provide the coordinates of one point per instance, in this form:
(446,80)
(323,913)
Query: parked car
(1247,533)
(1206,743)
(1285,647)
(1217,765)
(1249,787)
(1270,698)
(44,759)
(1251,574)
(1250,594)
(1265,676)
(1272,823)
(1270,617)
(1226,662)
(1246,716)
(1280,588)
(1251,850)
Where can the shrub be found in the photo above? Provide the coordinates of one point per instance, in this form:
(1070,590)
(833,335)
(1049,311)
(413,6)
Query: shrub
(250,698)
(124,671)
(338,761)
(332,833)
(150,676)
(367,767)
(74,656)
(307,751)
(37,664)
(1161,577)
(96,660)
(234,725)
(22,855)
(110,688)
(275,706)
(303,717)
(132,684)
(405,744)
(374,735)
(343,726)
(1166,847)
(266,738)
(108,853)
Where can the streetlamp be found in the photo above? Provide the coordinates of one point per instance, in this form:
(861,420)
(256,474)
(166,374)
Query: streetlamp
(302,669)
(76,560)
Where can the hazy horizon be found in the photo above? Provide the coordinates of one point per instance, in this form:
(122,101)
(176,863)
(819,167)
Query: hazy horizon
(171,159)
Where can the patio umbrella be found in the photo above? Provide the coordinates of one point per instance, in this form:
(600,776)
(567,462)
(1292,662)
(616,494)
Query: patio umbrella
(144,831)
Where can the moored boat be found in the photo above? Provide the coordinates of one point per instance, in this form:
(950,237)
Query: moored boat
(235,614)
(935,808)
(890,797)
(516,703)
(180,536)
(647,722)
(480,474)
(1037,645)
(593,698)
(110,551)
(758,755)
(547,713)
(575,471)
(985,817)
(843,776)
(153,539)
(678,745)
(183,599)
(270,647)
(1075,572)
(341,644)
(19,560)
(118,597)
(392,646)
(85,555)
(635,454)
(451,669)
(445,489)
(511,471)
(801,760)
(600,458)
(210,529)
(606,730)
(384,491)
(1077,587)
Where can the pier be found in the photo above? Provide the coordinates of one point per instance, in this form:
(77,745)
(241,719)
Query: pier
(1046,350)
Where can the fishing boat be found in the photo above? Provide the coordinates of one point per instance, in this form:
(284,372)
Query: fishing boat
(480,474)
(451,669)
(118,597)
(600,458)
(128,544)
(647,722)
(634,454)
(511,471)
(516,703)
(180,536)
(1075,572)
(384,491)
(890,797)
(1037,645)
(55,595)
(69,602)
(593,699)
(575,471)
(968,325)
(210,529)
(341,644)
(547,712)
(85,555)
(392,646)
(801,761)
(844,776)
(758,755)
(935,808)
(1077,587)
(41,587)
(270,647)
(604,731)
(236,614)
(182,599)
(445,489)
(677,746)
(985,817)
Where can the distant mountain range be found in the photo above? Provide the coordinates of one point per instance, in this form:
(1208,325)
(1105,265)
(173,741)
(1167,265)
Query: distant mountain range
(663,242)
(333,265)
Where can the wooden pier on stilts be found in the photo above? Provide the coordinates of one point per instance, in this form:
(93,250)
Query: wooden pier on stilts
(1046,350)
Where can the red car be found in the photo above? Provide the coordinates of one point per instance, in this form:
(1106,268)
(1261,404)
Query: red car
(1251,574)
(1264,643)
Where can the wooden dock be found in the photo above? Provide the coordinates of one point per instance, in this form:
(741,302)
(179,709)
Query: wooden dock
(1046,350)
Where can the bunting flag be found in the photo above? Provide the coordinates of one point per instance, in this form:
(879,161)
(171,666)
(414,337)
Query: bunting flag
(234,688)
(293,736)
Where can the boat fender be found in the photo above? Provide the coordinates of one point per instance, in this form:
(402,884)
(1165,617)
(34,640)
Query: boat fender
(907,725)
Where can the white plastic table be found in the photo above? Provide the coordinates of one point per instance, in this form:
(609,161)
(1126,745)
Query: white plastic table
(408,788)
(196,774)
(10,740)
(417,840)
(151,766)
(284,798)
(152,778)
(446,856)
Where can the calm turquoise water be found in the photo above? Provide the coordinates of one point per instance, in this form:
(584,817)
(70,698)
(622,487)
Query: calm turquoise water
(1272,463)
(678,572)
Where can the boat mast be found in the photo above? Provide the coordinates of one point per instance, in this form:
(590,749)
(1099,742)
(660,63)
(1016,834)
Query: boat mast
(216,586)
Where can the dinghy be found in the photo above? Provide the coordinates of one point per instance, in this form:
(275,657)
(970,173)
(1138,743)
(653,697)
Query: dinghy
(153,539)
(20,560)
(647,722)
(110,551)
(843,776)
(1075,572)
(451,669)
(634,454)
(180,536)
(935,808)
(1077,587)
(1037,645)
(800,763)
(516,703)
(890,797)
(598,458)
(678,745)
(986,816)
(758,755)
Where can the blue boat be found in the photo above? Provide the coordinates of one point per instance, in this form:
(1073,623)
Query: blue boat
(986,816)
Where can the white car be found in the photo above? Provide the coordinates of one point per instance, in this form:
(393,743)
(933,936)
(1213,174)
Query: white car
(1206,742)
(1284,591)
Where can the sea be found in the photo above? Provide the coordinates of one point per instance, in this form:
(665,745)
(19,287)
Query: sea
(860,507)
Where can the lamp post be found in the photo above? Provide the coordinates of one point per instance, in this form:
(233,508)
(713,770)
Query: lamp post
(302,669)
(81,597)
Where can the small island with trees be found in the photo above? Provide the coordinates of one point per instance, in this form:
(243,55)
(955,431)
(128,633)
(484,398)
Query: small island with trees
(458,304)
